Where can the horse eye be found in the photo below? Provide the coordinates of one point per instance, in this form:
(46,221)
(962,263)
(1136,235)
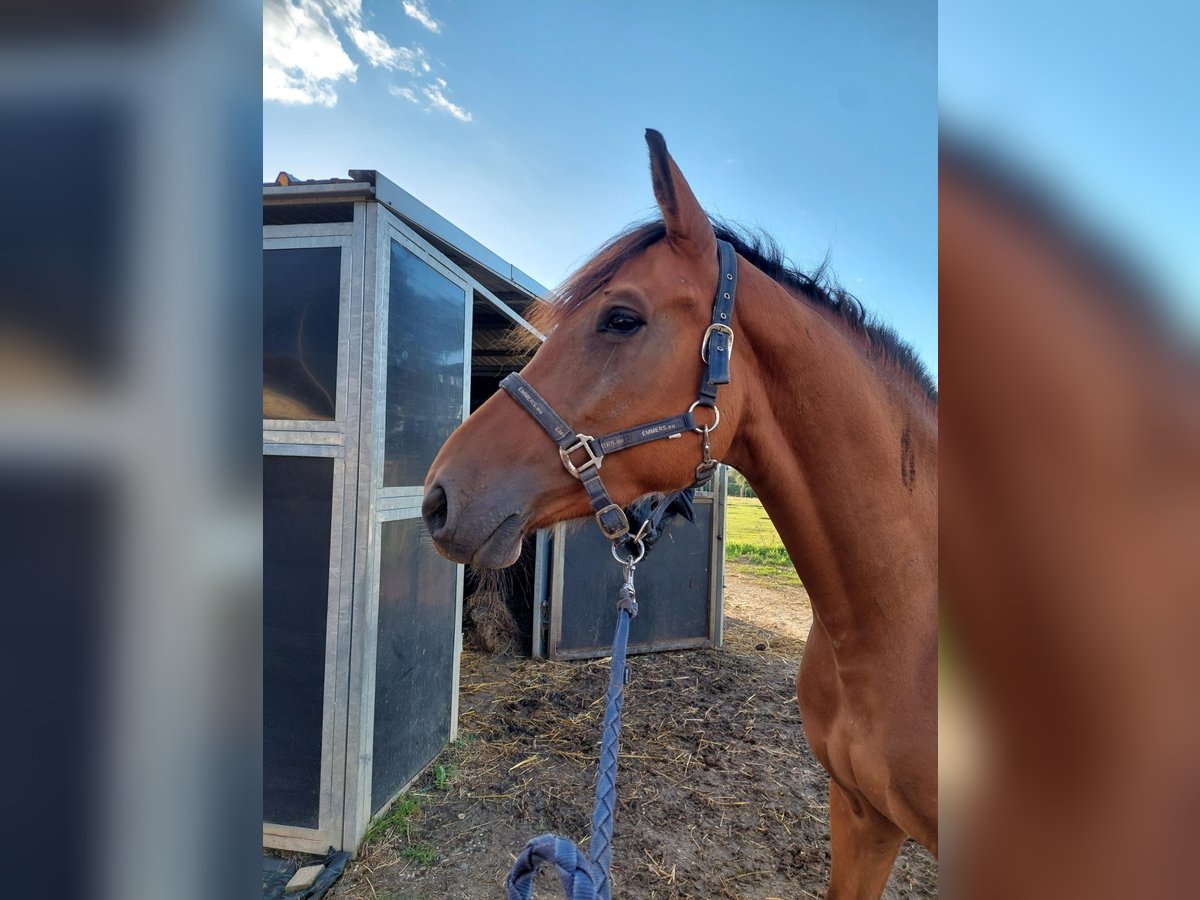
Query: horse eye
(621,321)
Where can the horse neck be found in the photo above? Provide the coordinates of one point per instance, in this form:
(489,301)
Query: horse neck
(843,455)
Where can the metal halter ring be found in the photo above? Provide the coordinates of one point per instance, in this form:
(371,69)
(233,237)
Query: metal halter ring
(633,560)
(706,428)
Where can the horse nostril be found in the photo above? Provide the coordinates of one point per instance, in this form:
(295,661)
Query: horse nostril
(433,508)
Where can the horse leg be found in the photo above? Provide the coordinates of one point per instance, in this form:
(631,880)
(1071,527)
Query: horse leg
(864,850)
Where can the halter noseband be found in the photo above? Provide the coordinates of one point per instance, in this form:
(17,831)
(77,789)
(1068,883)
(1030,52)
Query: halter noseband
(715,351)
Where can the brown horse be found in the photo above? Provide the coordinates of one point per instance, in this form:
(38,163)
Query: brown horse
(833,423)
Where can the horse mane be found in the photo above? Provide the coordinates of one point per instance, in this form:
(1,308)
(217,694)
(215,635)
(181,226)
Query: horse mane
(764,253)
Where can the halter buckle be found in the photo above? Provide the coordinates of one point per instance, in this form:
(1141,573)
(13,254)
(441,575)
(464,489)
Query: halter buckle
(592,462)
(708,332)
(621,530)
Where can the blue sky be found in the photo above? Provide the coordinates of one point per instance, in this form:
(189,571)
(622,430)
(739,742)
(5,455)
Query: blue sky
(522,123)
(1097,102)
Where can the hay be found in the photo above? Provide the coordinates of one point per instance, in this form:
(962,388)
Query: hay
(490,624)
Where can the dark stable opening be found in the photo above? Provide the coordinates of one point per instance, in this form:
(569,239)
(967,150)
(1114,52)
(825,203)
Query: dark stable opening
(307,213)
(515,582)
(494,355)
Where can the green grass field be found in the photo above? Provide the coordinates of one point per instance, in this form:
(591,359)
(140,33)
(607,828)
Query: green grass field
(752,545)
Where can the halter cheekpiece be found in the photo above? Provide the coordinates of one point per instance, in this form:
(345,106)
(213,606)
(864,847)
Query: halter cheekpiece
(582,455)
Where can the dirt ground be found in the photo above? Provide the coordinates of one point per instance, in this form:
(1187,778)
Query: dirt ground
(719,795)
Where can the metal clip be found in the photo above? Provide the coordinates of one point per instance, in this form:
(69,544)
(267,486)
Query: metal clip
(627,597)
(707,464)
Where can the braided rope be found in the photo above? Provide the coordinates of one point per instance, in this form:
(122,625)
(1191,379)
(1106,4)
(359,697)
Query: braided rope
(584,879)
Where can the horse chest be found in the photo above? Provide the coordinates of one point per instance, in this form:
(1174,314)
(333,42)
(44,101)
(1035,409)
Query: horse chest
(838,717)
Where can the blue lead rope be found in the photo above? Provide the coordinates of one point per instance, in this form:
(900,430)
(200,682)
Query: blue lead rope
(584,879)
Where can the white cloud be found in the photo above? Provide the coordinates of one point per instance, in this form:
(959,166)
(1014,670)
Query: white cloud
(437,100)
(303,60)
(347,10)
(432,96)
(416,9)
(374,46)
(380,53)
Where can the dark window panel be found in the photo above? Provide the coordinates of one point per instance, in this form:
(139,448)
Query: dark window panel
(301,303)
(59,553)
(64,242)
(297,511)
(414,663)
(425,361)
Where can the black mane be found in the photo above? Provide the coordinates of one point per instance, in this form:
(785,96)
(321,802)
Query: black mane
(765,254)
(819,288)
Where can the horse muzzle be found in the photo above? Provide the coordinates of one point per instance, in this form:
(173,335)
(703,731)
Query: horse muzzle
(484,530)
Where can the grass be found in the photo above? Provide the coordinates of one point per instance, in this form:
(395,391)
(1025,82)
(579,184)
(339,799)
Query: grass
(423,853)
(396,826)
(752,545)
(398,819)
(443,774)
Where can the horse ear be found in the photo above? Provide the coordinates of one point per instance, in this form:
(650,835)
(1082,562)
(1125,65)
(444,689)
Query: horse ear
(688,227)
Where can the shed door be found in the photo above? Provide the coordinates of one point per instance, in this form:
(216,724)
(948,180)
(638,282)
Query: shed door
(679,586)
(422,379)
(311,335)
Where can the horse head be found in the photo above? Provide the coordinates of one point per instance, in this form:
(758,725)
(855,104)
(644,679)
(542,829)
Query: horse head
(623,337)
